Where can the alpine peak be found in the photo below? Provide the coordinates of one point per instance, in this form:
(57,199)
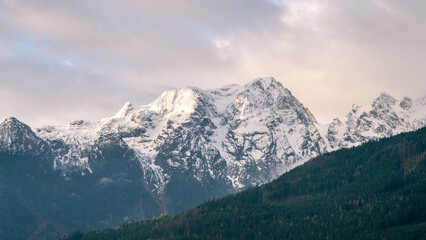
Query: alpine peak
(265,84)
(11,120)
(385,97)
(125,110)
(17,138)
(176,102)
(13,124)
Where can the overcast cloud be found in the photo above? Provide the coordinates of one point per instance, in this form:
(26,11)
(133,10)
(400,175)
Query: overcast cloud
(67,60)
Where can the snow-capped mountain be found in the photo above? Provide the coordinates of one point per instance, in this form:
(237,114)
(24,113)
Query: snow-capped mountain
(383,117)
(187,146)
(18,138)
(239,136)
(192,144)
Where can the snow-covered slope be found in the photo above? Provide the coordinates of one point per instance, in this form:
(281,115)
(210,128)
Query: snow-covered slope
(221,139)
(239,136)
(267,131)
(17,138)
(383,117)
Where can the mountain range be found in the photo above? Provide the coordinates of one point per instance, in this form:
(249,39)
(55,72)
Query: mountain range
(187,146)
(373,191)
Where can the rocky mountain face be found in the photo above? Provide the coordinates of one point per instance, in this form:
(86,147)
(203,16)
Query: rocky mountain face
(39,201)
(233,137)
(383,117)
(187,146)
(17,138)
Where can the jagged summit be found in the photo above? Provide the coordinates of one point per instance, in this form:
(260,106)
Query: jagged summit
(13,123)
(184,101)
(177,102)
(384,116)
(269,87)
(18,138)
(265,82)
(386,96)
(383,98)
(125,110)
(11,120)
(14,126)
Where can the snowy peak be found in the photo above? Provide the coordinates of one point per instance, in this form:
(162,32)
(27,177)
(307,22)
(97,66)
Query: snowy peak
(384,98)
(266,128)
(268,90)
(125,111)
(383,117)
(260,93)
(12,129)
(18,138)
(264,83)
(12,122)
(260,126)
(266,94)
(175,102)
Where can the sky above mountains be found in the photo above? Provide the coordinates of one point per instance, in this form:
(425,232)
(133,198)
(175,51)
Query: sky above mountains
(67,60)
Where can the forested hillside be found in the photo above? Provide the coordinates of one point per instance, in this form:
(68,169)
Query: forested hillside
(375,191)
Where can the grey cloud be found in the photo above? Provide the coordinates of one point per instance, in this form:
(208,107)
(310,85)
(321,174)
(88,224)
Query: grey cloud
(86,58)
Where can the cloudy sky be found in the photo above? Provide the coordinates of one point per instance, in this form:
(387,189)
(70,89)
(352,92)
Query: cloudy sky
(83,59)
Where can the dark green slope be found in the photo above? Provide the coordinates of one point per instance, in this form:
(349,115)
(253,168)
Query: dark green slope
(36,202)
(375,191)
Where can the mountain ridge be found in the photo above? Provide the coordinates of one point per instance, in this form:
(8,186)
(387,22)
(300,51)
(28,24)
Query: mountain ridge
(372,191)
(187,146)
(237,127)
